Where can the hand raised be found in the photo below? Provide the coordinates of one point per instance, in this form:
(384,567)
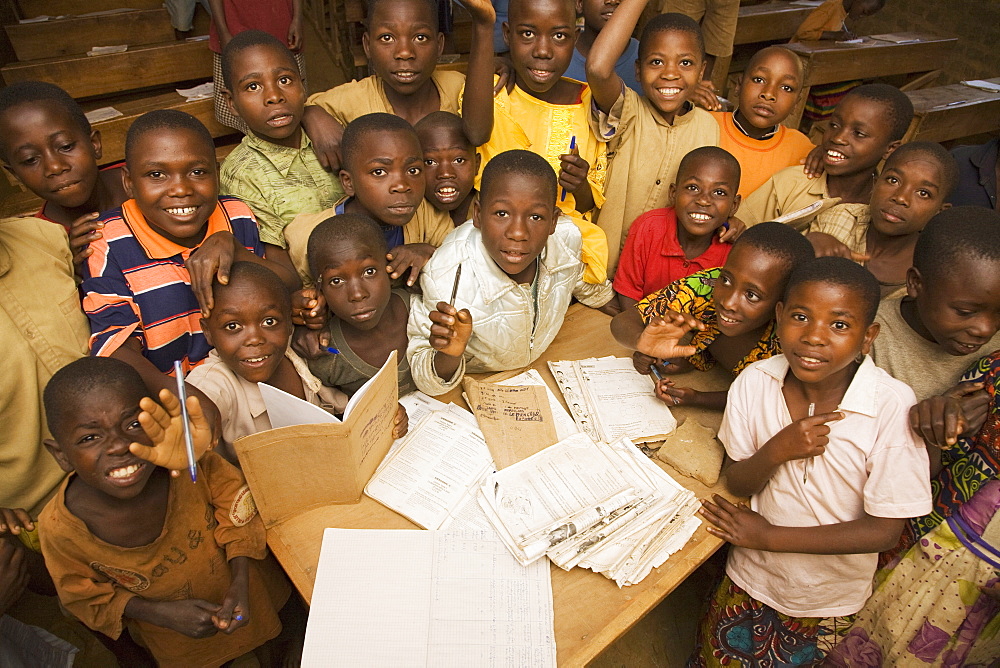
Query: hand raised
(661,336)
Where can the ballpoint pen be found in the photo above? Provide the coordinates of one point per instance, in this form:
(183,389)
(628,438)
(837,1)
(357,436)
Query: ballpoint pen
(572,145)
(805,468)
(188,440)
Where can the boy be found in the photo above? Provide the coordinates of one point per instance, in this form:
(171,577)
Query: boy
(139,294)
(717,20)
(595,16)
(347,258)
(665,245)
(274,170)
(865,128)
(47,143)
(127,545)
(450,164)
(521,268)
(731,307)
(402,43)
(383,177)
(648,134)
(547,113)
(769,88)
(820,441)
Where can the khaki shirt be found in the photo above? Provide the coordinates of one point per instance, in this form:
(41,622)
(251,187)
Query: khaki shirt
(367,96)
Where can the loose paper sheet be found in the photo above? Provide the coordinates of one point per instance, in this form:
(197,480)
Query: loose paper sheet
(515,419)
(565,426)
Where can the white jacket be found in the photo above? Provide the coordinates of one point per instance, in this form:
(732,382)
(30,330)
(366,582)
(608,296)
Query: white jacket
(503,312)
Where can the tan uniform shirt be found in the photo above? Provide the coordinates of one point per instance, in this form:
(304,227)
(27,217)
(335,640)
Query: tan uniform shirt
(367,96)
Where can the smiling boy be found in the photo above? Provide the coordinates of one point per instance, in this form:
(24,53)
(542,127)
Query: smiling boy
(450,164)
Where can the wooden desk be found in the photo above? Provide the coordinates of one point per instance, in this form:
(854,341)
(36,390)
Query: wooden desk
(590,610)
(770,22)
(828,62)
(952,112)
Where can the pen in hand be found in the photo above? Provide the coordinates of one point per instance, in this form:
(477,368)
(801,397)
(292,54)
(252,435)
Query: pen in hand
(188,440)
(572,145)
(805,468)
(454,288)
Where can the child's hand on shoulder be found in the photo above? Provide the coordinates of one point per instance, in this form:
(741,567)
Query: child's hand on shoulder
(82,231)
(235,609)
(826,245)
(309,308)
(961,411)
(703,95)
(325,134)
(814,163)
(14,521)
(164,425)
(401,423)
(214,258)
(735,524)
(661,337)
(451,329)
(802,439)
(410,257)
(732,230)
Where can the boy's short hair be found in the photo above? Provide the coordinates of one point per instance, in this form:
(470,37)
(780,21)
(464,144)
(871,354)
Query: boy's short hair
(260,276)
(671,22)
(446,120)
(839,271)
(27,92)
(359,230)
(936,153)
(88,380)
(517,161)
(958,234)
(896,103)
(430,5)
(711,153)
(779,241)
(774,48)
(246,40)
(362,126)
(165,119)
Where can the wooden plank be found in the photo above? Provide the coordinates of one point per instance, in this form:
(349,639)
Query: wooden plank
(951,112)
(590,610)
(77,35)
(772,22)
(32,8)
(829,62)
(142,67)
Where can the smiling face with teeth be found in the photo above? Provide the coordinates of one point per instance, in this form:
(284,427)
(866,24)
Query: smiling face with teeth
(403,45)
(450,166)
(749,286)
(670,66)
(705,196)
(857,137)
(541,35)
(267,93)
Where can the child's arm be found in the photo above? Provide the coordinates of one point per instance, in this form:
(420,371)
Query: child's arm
(190,616)
(668,392)
(573,172)
(295,33)
(660,339)
(477,100)
(409,257)
(219,19)
(235,609)
(164,425)
(14,575)
(802,439)
(743,527)
(942,420)
(605,84)
(325,132)
(451,330)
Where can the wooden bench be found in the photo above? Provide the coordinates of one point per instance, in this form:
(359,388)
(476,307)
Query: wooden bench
(33,8)
(828,62)
(951,112)
(76,35)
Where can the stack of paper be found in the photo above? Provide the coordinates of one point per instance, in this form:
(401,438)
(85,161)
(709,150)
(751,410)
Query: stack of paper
(601,506)
(609,399)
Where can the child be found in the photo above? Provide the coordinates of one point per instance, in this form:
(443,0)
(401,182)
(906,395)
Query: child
(754,132)
(347,259)
(732,308)
(648,134)
(717,20)
(520,267)
(250,327)
(47,143)
(127,545)
(865,128)
(665,245)
(978,174)
(595,16)
(547,113)
(274,169)
(820,441)
(914,186)
(383,177)
(450,164)
(139,294)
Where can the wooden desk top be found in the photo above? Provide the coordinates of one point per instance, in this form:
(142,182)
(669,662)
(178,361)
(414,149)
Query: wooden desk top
(952,112)
(590,610)
(770,22)
(829,62)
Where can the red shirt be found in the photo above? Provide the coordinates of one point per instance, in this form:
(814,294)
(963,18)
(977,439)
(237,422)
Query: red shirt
(273,16)
(653,257)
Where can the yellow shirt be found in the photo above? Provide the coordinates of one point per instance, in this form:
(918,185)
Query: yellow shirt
(643,154)
(522,121)
(42,329)
(367,96)
(760,159)
(828,17)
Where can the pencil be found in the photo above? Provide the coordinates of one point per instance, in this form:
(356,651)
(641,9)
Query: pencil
(454,288)
(188,441)
(805,469)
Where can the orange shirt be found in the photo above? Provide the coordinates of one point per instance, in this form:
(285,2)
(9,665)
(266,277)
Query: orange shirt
(828,17)
(760,159)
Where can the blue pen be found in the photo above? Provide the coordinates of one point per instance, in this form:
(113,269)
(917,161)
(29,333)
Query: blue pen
(332,351)
(572,145)
(188,441)
(238,618)
(653,370)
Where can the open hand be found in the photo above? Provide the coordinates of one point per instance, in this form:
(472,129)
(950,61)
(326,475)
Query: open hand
(408,257)
(214,260)
(661,337)
(451,329)
(704,96)
(164,425)
(735,524)
(814,163)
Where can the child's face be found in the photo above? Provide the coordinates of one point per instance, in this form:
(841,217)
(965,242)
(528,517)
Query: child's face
(769,90)
(822,330)
(907,194)
(669,69)
(249,328)
(92,438)
(705,196)
(857,137)
(450,166)
(403,44)
(387,176)
(267,93)
(596,12)
(49,153)
(355,285)
(516,219)
(960,308)
(749,286)
(541,39)
(173,177)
